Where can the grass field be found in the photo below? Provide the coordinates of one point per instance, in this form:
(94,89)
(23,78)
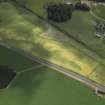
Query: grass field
(14,60)
(42,86)
(24,30)
(99,10)
(41,39)
(80,26)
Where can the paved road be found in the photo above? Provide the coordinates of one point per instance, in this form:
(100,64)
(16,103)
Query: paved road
(92,84)
(69,73)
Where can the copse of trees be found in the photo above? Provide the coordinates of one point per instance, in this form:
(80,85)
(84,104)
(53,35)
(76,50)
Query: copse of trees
(98,0)
(59,12)
(82,6)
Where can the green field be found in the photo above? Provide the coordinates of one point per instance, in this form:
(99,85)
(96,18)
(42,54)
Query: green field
(14,60)
(99,11)
(42,86)
(23,30)
(29,33)
(80,26)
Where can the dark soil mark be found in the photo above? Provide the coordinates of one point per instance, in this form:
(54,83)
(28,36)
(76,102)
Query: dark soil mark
(6,76)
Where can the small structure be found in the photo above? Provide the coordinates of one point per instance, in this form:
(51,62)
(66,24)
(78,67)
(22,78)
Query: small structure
(82,6)
(100,30)
(100,92)
(99,35)
(101,26)
(67,1)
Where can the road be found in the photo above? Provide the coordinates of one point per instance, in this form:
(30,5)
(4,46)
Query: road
(92,84)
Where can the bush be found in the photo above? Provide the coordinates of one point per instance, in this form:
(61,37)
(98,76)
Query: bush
(82,6)
(59,12)
(99,0)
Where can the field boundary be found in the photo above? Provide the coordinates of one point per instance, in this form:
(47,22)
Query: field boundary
(19,73)
(9,85)
(30,68)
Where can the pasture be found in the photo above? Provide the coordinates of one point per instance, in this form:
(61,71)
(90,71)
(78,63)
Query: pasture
(22,29)
(41,85)
(29,33)
(81,26)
